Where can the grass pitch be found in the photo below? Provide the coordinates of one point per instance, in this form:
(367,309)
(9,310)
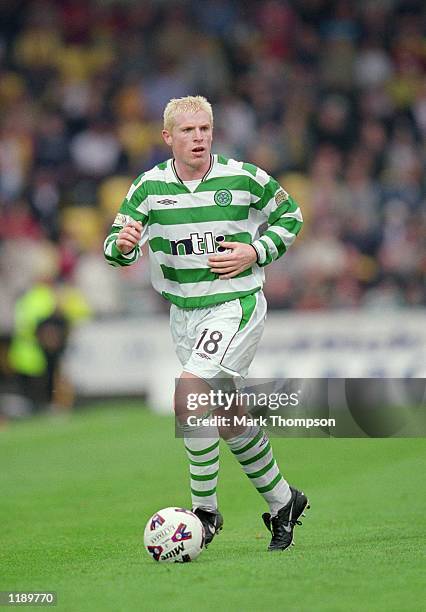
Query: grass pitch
(76,493)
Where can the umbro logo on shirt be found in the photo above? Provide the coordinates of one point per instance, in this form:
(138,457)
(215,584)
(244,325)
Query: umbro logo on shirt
(166,202)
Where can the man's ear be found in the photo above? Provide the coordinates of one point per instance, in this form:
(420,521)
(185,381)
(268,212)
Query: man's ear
(167,137)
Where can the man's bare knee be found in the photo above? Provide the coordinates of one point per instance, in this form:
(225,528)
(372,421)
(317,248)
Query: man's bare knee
(188,388)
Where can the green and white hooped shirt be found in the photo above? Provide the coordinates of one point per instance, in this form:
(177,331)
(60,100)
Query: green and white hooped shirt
(184,225)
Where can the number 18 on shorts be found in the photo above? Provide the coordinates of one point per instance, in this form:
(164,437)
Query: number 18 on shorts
(219,341)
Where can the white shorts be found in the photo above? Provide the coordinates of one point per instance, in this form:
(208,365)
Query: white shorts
(219,341)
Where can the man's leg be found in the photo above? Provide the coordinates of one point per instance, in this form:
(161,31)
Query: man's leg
(202,447)
(286,504)
(252,448)
(254,453)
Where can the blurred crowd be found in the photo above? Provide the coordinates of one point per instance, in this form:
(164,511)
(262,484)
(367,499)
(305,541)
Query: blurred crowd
(329,96)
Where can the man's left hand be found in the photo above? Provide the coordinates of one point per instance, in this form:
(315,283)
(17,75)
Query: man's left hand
(228,265)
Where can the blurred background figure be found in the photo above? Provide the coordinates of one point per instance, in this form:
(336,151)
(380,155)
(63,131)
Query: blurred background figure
(38,341)
(43,317)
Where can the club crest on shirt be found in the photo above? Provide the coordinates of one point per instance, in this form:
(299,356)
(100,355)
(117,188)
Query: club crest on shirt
(281,196)
(223,197)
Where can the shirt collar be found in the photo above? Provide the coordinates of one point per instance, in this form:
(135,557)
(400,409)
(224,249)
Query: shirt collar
(173,176)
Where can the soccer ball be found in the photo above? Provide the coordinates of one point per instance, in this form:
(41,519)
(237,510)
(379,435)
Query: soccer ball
(174,535)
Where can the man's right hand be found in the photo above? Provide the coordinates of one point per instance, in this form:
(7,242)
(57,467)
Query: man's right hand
(129,237)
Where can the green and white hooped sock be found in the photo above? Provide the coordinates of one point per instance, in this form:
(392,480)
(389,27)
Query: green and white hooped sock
(203,455)
(254,453)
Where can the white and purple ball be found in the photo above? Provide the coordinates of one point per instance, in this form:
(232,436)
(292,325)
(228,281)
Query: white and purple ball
(174,535)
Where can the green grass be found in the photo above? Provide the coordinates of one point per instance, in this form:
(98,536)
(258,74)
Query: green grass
(76,493)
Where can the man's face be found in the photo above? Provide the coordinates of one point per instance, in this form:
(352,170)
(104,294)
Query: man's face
(191,139)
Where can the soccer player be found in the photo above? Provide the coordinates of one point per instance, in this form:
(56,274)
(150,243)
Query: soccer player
(201,214)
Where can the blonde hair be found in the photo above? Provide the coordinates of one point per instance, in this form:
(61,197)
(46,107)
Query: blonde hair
(188,104)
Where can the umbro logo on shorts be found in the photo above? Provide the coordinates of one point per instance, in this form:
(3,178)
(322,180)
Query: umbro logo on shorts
(203,355)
